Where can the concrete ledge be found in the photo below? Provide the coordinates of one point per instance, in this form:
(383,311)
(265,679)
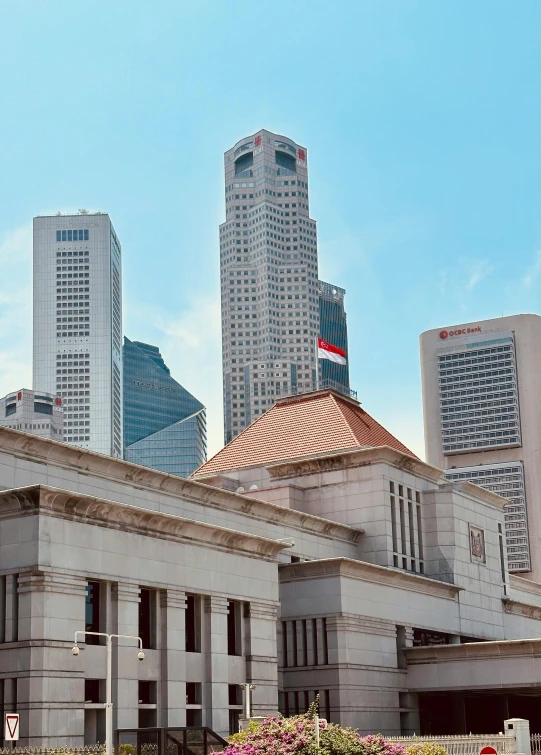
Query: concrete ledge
(346,567)
(63,504)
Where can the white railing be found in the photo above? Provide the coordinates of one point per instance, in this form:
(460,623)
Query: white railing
(471,744)
(535,741)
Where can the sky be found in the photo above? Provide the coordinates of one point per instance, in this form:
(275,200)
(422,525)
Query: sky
(421,119)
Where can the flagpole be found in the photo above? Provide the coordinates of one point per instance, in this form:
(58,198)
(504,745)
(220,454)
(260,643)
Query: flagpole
(317,365)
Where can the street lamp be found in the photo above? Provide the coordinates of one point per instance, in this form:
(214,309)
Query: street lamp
(247,689)
(109,678)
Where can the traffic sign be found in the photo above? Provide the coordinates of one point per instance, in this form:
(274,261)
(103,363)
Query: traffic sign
(11,727)
(488,751)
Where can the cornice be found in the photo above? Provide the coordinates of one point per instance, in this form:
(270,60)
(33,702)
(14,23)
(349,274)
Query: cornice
(518,608)
(63,504)
(366,572)
(524,585)
(43,450)
(469,651)
(351,458)
(473,491)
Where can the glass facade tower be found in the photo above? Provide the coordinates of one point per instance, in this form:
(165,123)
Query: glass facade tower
(269,281)
(333,328)
(164,425)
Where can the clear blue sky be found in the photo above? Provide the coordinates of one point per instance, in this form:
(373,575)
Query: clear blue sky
(421,118)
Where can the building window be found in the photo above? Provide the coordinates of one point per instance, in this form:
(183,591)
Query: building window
(233,628)
(10,409)
(93,612)
(147,617)
(193,704)
(192,620)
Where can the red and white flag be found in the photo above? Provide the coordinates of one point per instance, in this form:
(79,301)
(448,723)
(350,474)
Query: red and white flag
(328,351)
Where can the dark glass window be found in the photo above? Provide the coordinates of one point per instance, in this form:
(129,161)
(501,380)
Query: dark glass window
(69,236)
(193,627)
(233,633)
(193,693)
(92,618)
(285,161)
(58,236)
(42,408)
(10,409)
(194,717)
(244,163)
(64,236)
(92,691)
(86,235)
(147,617)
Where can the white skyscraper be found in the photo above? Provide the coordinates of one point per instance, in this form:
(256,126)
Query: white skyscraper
(482,414)
(78,326)
(269,278)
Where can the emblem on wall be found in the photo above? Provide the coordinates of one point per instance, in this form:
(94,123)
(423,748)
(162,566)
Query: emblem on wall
(477,545)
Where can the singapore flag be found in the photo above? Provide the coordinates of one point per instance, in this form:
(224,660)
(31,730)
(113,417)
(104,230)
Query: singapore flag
(328,351)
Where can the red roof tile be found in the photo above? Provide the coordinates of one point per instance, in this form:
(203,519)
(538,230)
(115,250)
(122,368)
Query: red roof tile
(312,423)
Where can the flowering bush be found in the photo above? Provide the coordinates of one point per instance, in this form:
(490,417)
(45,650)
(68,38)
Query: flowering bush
(296,736)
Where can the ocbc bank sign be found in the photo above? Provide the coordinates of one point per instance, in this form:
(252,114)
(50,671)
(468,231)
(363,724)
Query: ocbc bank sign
(459,332)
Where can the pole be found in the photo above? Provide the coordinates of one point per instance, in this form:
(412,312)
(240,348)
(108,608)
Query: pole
(317,365)
(316,727)
(247,701)
(109,698)
(109,678)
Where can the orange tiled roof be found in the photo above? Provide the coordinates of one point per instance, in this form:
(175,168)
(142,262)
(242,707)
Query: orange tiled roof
(313,423)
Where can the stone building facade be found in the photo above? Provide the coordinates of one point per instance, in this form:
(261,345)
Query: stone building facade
(326,572)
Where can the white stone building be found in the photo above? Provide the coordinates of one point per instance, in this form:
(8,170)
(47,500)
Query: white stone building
(314,554)
(77,334)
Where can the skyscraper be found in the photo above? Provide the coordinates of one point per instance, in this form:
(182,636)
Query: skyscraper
(164,425)
(482,414)
(333,328)
(269,280)
(78,325)
(38,413)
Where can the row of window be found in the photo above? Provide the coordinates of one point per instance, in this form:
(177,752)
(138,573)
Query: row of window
(148,624)
(73,235)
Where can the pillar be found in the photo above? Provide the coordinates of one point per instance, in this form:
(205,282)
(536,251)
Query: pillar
(261,657)
(216,691)
(49,679)
(125,662)
(172,691)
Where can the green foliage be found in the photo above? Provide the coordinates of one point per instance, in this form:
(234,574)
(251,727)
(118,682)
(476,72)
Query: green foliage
(425,748)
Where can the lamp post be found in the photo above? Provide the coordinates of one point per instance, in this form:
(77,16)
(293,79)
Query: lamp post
(109,678)
(247,689)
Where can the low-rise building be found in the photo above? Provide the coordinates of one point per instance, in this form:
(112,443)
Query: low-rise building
(315,554)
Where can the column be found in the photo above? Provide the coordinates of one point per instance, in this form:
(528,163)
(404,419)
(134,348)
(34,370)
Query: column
(172,689)
(125,599)
(216,692)
(50,683)
(261,657)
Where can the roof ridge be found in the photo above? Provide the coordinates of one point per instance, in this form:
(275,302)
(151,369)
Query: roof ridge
(350,429)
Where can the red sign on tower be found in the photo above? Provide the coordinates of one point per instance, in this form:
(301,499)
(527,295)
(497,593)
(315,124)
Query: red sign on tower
(301,154)
(257,141)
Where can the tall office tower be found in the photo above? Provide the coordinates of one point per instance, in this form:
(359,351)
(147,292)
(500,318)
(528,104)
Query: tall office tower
(164,425)
(32,412)
(482,414)
(78,326)
(333,328)
(269,286)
